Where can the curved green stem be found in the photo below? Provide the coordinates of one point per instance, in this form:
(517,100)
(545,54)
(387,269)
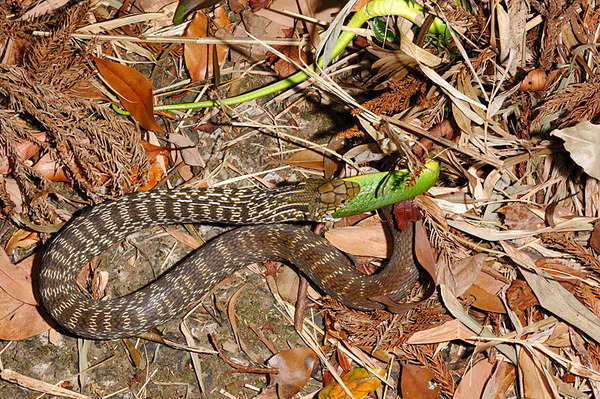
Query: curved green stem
(376,8)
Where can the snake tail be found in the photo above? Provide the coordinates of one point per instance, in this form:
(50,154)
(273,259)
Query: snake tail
(407,9)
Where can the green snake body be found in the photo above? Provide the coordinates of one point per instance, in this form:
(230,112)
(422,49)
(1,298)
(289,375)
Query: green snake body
(100,227)
(376,8)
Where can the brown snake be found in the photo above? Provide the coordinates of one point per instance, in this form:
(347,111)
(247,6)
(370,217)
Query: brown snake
(99,227)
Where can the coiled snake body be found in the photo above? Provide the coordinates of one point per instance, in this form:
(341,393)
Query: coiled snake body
(99,227)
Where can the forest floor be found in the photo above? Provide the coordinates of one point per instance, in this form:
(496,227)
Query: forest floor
(505,96)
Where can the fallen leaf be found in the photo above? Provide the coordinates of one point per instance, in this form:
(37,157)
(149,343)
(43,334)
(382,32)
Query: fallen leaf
(474,380)
(43,8)
(501,383)
(285,282)
(520,217)
(560,337)
(25,149)
(583,143)
(552,296)
(595,238)
(199,57)
(155,174)
(360,240)
(183,238)
(449,331)
(186,7)
(14,51)
(187,148)
(295,366)
(133,89)
(359,381)
(286,68)
(14,193)
(416,383)
(24,322)
(323,10)
(306,159)
(237,6)
(461,273)
(52,170)
(16,280)
(485,289)
(21,239)
(536,383)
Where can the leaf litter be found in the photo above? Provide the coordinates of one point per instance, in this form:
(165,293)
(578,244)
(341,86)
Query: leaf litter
(508,104)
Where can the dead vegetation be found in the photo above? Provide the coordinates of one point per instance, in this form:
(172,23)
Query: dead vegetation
(509,105)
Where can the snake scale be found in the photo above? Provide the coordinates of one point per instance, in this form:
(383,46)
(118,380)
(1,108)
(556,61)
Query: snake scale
(103,225)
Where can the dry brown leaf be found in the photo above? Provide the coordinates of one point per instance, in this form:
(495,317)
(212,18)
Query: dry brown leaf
(519,217)
(474,380)
(186,7)
(583,143)
(595,238)
(306,159)
(535,381)
(344,360)
(415,383)
(14,193)
(184,238)
(485,289)
(187,148)
(199,57)
(449,331)
(552,296)
(560,337)
(14,51)
(155,174)
(52,170)
(21,239)
(461,274)
(285,282)
(16,280)
(360,240)
(24,322)
(43,8)
(295,366)
(502,382)
(324,10)
(133,89)
(25,150)
(285,68)
(237,6)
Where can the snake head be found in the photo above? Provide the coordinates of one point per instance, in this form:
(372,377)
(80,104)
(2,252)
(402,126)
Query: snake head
(331,195)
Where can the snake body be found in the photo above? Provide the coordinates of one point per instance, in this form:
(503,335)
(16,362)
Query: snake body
(101,226)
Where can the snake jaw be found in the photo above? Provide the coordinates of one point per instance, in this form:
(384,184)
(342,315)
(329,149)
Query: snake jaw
(330,196)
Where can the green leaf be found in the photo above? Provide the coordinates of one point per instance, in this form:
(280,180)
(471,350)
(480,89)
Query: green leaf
(186,7)
(383,31)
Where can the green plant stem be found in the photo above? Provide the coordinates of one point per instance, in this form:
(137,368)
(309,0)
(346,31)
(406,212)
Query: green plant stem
(376,8)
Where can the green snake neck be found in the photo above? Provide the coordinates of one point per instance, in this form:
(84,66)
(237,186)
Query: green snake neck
(376,8)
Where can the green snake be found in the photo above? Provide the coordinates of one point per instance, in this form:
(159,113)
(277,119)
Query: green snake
(376,8)
(101,226)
